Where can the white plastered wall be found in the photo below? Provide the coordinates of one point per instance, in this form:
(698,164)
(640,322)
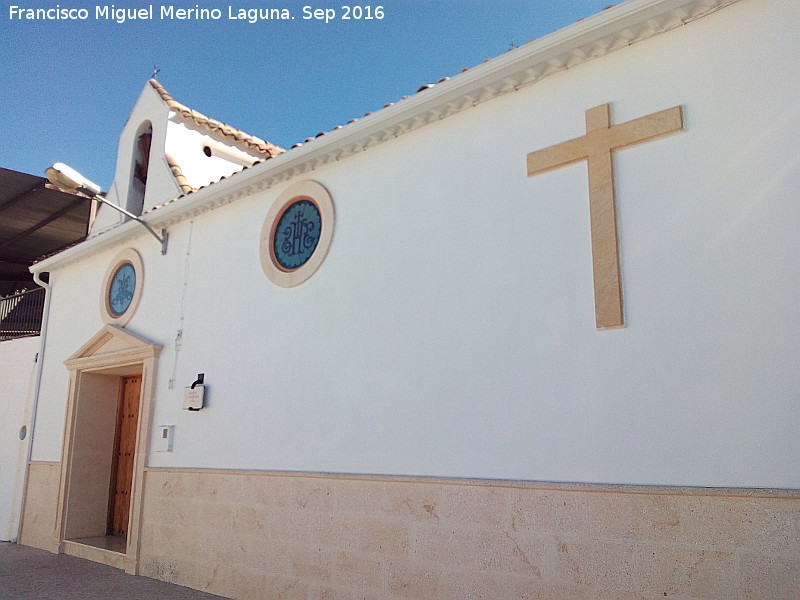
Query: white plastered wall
(185,144)
(161,184)
(171,136)
(18,360)
(450,331)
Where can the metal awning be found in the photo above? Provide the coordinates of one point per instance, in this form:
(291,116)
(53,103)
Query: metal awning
(36,219)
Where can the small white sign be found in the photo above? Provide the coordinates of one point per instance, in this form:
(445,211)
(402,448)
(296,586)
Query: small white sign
(193,397)
(164,441)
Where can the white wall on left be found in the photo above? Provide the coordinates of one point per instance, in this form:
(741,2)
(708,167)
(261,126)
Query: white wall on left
(18,360)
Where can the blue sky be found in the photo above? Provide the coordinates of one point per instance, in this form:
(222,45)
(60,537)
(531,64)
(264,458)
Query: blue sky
(69,85)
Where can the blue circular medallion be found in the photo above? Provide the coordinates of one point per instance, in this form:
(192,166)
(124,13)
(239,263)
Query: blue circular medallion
(296,234)
(120,292)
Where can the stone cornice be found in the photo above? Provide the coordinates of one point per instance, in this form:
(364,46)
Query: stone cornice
(605,32)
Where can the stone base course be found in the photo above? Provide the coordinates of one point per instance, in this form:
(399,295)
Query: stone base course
(266,535)
(41,506)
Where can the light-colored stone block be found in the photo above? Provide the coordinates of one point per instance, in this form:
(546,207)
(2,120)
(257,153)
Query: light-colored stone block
(769,578)
(750,524)
(474,549)
(412,580)
(607,567)
(679,572)
(41,506)
(359,573)
(641,517)
(471,585)
(369,535)
(521,588)
(554,511)
(466,505)
(381,538)
(309,563)
(100,555)
(531,555)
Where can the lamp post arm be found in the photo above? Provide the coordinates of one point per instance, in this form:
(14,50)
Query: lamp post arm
(162,238)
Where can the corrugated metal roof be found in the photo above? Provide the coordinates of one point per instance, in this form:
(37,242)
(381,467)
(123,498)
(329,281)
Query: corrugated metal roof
(36,219)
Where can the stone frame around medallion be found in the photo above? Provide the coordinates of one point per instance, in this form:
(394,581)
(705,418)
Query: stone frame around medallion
(319,196)
(129,255)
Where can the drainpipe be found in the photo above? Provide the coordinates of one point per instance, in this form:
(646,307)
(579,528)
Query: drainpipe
(36,387)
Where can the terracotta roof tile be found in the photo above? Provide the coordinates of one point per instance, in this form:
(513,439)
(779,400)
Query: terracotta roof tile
(421,88)
(177,172)
(213,126)
(266,148)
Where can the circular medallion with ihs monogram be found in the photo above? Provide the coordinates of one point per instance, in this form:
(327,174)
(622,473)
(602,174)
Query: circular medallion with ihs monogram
(297,233)
(122,287)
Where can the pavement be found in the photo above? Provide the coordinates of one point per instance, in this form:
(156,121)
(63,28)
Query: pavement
(32,574)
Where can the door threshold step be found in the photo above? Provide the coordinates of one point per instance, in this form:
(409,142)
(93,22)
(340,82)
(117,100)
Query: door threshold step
(88,551)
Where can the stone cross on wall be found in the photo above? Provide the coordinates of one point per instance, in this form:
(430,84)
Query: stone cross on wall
(597,148)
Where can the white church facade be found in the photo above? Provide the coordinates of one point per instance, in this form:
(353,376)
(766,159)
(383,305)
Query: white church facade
(531,332)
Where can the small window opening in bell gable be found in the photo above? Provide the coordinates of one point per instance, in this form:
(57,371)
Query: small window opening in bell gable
(141,164)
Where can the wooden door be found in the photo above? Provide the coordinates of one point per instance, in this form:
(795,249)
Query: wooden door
(124,453)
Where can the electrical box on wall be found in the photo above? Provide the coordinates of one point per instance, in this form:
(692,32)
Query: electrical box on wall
(193,397)
(164,438)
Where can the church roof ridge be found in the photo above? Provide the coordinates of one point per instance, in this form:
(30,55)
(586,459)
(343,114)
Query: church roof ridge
(214,126)
(682,11)
(177,172)
(678,12)
(611,29)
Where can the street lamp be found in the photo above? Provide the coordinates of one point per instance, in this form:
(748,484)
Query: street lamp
(68,178)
